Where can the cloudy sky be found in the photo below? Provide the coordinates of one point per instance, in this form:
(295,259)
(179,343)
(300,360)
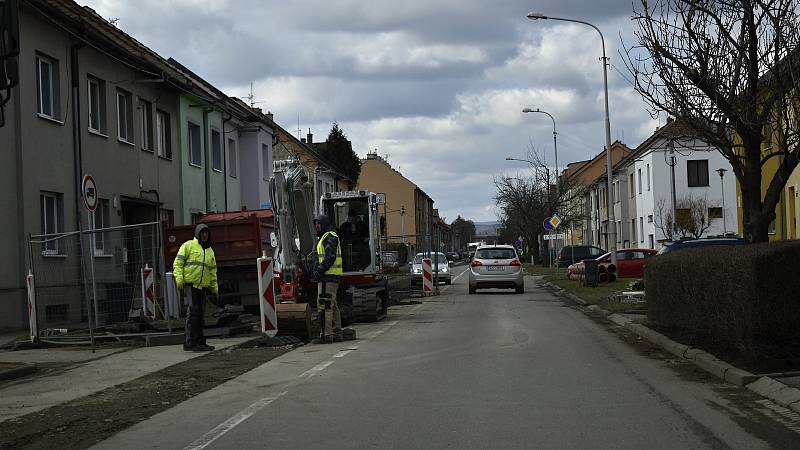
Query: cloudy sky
(436,86)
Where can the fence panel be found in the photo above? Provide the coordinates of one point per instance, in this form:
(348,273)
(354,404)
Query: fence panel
(95,274)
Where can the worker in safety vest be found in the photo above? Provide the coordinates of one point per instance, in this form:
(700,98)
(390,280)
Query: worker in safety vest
(327,271)
(195,270)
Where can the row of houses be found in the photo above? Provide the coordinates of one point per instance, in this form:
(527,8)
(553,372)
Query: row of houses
(671,175)
(161,143)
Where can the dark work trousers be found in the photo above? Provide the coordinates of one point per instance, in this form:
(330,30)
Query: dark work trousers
(195,301)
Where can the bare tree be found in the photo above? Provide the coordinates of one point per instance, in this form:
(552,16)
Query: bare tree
(730,69)
(691,220)
(525,202)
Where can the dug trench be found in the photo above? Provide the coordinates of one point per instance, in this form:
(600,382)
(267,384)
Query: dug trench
(85,421)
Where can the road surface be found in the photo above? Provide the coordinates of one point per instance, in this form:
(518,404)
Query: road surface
(491,370)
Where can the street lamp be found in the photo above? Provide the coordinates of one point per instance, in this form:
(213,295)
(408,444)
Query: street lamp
(721,173)
(611,218)
(555,143)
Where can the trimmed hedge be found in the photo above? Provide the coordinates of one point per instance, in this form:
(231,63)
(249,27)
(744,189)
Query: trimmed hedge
(743,298)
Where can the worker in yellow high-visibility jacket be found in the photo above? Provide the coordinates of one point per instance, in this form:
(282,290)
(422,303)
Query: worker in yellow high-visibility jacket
(195,270)
(327,272)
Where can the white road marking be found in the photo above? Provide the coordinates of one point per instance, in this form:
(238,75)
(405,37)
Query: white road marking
(205,440)
(315,370)
(454,279)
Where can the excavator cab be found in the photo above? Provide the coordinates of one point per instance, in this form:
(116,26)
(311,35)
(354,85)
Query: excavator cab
(355,218)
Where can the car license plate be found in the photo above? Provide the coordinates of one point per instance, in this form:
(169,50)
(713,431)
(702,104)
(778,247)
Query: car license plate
(495,268)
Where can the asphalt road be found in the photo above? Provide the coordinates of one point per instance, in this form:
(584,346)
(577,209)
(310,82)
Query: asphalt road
(492,370)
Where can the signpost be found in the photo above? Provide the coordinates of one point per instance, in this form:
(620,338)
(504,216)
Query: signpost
(89,190)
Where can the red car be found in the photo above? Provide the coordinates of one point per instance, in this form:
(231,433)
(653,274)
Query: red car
(630,262)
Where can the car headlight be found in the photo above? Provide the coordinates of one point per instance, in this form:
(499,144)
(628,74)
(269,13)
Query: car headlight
(444,269)
(417,270)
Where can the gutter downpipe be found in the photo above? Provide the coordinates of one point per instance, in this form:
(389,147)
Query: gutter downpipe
(225,158)
(77,149)
(207,161)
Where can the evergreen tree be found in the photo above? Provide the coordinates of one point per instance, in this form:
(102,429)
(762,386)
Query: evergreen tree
(339,151)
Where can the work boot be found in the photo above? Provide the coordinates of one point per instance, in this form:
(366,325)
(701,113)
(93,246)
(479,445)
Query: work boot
(203,348)
(188,348)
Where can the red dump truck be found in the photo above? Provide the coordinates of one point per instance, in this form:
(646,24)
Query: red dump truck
(239,237)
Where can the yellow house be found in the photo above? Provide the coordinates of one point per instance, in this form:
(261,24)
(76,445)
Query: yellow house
(785,225)
(409,217)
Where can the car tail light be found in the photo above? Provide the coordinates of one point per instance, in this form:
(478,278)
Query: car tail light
(515,262)
(475,263)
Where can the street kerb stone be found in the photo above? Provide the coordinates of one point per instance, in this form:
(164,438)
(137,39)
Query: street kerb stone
(738,376)
(712,364)
(776,391)
(619,319)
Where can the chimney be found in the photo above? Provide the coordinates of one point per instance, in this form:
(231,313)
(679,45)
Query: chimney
(309,137)
(269,115)
(258,110)
(303,140)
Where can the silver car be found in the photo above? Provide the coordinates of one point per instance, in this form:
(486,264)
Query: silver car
(496,266)
(443,272)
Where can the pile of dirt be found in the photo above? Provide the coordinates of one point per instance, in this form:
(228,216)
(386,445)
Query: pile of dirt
(86,421)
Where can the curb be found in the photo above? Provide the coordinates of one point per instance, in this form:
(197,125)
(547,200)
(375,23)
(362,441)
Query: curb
(765,386)
(16,372)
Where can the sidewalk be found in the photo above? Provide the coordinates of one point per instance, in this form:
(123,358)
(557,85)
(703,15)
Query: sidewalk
(68,373)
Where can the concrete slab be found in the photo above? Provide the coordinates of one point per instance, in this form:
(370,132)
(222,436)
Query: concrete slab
(87,375)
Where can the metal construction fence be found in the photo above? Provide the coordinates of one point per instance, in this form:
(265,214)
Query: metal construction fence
(90,279)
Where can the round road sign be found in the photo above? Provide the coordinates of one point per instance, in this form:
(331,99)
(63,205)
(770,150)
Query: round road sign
(89,193)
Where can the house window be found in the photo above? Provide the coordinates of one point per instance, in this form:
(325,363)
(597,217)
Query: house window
(124,116)
(195,145)
(47,87)
(633,187)
(650,218)
(97,105)
(773,228)
(641,228)
(697,171)
(633,230)
(265,162)
(52,218)
(715,213)
(640,180)
(167,217)
(617,198)
(232,157)
(652,243)
(147,124)
(648,177)
(216,150)
(163,142)
(100,218)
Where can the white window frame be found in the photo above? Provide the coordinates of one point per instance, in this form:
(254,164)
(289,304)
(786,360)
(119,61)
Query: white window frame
(233,158)
(162,135)
(190,141)
(103,212)
(96,105)
(641,229)
(648,177)
(147,125)
(127,120)
(52,87)
(216,150)
(265,162)
(50,247)
(640,180)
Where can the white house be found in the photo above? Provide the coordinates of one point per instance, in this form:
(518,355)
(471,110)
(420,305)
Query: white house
(695,165)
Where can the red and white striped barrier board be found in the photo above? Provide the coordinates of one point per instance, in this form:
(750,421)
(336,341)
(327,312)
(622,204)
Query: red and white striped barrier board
(266,290)
(427,276)
(32,320)
(148,300)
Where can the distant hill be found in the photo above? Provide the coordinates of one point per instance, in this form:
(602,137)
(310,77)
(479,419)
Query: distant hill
(486,228)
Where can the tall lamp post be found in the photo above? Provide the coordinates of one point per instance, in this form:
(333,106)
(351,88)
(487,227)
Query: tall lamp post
(721,173)
(555,142)
(612,220)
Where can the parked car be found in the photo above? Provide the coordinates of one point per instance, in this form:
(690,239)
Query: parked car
(390,263)
(443,268)
(571,254)
(496,266)
(630,262)
(699,243)
(452,256)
